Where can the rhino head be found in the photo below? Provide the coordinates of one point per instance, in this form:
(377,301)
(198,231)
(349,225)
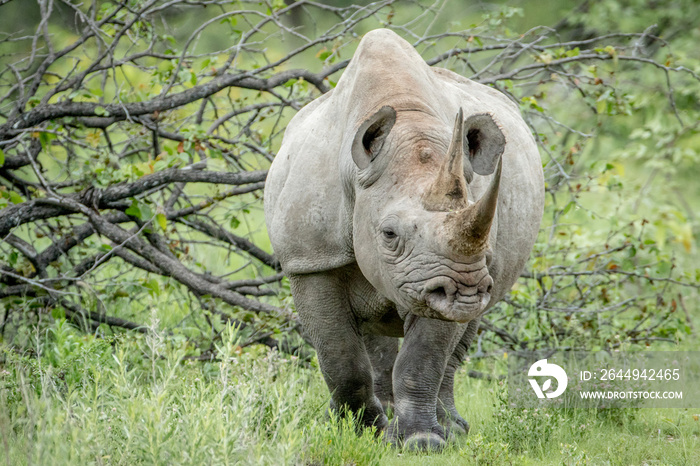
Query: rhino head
(417,236)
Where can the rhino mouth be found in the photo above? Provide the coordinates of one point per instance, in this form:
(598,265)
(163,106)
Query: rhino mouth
(456,292)
(440,305)
(451,298)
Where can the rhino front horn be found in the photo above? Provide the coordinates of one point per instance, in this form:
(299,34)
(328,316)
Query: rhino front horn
(473,223)
(449,190)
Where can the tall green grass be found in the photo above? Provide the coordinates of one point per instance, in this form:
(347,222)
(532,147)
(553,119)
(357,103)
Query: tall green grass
(136,399)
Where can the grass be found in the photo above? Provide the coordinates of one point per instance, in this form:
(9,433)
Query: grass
(78,399)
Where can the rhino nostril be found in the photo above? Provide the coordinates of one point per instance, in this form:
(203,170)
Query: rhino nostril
(485,285)
(438,293)
(438,299)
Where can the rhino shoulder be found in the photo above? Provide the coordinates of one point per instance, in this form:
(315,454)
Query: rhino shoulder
(305,209)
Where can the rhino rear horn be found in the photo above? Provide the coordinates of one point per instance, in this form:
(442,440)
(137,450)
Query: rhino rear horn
(472,225)
(483,211)
(371,135)
(486,143)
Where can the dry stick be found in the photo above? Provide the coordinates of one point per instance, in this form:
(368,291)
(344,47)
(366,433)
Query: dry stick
(83,231)
(228,237)
(687,314)
(118,112)
(73,311)
(255,282)
(76,313)
(30,211)
(172,267)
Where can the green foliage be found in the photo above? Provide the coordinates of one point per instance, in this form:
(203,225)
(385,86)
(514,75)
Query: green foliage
(525,428)
(125,408)
(619,146)
(137,399)
(337,442)
(489,452)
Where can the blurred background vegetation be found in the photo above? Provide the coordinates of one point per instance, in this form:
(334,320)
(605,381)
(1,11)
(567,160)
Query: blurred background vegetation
(134,139)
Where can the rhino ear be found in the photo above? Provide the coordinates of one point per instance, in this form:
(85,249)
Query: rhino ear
(485,142)
(371,135)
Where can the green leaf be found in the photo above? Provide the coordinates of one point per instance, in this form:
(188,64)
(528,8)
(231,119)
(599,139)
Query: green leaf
(146,212)
(162,221)
(15,198)
(573,52)
(601,106)
(45,139)
(532,101)
(2,158)
(101,111)
(134,210)
(58,313)
(153,287)
(568,207)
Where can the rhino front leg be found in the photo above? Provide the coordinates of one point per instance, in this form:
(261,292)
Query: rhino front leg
(418,373)
(327,319)
(382,352)
(447,413)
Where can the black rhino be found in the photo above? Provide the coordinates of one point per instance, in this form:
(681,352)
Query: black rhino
(403,203)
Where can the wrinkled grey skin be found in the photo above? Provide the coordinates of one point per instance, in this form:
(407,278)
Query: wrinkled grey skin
(375,208)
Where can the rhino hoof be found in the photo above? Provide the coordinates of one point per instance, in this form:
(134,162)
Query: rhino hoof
(458,427)
(424,441)
(380,422)
(454,424)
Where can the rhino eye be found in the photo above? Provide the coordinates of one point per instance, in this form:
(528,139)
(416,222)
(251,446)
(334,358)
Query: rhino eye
(391,240)
(389,233)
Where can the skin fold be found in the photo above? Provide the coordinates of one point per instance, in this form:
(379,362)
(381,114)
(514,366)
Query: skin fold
(403,203)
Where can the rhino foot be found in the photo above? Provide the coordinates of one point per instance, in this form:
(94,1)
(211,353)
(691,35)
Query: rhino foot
(424,441)
(369,416)
(431,440)
(454,424)
(380,422)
